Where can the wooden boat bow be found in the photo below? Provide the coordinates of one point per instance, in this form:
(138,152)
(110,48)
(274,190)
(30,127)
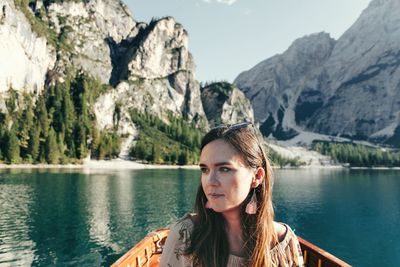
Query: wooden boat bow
(147,253)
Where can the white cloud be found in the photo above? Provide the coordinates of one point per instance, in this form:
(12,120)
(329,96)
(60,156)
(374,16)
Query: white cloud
(227,2)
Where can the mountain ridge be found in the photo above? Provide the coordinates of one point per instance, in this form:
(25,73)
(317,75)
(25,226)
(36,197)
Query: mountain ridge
(363,62)
(98,81)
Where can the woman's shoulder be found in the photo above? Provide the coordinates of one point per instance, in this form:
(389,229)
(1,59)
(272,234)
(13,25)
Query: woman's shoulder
(281,230)
(287,246)
(182,227)
(177,241)
(185,222)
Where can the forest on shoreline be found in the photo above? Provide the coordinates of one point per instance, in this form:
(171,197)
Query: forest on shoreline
(357,155)
(59,127)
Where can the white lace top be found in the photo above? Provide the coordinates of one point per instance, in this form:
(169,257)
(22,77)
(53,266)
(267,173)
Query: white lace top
(286,253)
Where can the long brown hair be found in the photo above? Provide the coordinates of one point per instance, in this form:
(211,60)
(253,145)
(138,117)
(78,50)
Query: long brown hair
(209,245)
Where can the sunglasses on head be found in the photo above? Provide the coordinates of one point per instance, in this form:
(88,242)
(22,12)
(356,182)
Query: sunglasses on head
(234,126)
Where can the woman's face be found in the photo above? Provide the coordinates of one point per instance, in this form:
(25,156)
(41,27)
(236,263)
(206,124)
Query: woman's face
(225,179)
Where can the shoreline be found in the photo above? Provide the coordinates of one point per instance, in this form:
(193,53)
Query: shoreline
(120,164)
(114,164)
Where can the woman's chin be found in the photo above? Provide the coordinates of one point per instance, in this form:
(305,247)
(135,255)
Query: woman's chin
(216,208)
(220,209)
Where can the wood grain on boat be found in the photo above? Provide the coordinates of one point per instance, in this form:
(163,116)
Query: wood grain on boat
(147,253)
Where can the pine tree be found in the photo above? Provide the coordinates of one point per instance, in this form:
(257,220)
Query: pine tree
(102,150)
(155,154)
(68,117)
(52,149)
(95,145)
(25,124)
(34,143)
(42,115)
(174,157)
(61,147)
(11,101)
(105,146)
(183,158)
(116,142)
(12,147)
(80,139)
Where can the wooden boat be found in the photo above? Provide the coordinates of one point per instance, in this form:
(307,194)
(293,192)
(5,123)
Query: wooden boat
(315,256)
(147,253)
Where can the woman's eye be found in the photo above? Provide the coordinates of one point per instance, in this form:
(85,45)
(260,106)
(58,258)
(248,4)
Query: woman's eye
(203,170)
(224,169)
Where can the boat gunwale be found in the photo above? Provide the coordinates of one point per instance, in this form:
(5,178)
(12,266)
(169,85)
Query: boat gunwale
(327,259)
(150,240)
(311,253)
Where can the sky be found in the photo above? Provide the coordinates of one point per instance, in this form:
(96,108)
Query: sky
(227,37)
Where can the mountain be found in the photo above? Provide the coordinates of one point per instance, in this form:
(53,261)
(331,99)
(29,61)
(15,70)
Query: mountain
(273,85)
(101,39)
(99,83)
(225,104)
(348,88)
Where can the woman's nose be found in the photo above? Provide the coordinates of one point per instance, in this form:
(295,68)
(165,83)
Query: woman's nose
(213,178)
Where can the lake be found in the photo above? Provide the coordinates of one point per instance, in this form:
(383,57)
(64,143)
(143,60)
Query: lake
(90,218)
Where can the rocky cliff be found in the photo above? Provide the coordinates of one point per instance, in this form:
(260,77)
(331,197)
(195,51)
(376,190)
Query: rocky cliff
(154,72)
(274,85)
(149,63)
(86,33)
(349,87)
(25,56)
(225,104)
(97,44)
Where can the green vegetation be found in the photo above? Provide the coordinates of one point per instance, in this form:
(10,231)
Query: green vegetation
(175,143)
(58,128)
(42,25)
(223,88)
(39,25)
(358,155)
(277,160)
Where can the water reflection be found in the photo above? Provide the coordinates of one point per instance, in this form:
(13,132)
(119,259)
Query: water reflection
(98,210)
(122,189)
(165,194)
(73,218)
(57,218)
(16,248)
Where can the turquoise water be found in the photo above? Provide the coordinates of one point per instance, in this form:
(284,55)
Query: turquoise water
(72,218)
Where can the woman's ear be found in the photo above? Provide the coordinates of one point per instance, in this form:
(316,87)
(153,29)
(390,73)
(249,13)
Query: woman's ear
(258,177)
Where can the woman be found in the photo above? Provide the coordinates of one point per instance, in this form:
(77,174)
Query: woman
(233,224)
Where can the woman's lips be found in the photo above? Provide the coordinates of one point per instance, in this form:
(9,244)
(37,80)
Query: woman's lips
(215,195)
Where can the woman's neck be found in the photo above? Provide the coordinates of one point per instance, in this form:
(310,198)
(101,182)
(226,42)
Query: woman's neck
(234,232)
(233,221)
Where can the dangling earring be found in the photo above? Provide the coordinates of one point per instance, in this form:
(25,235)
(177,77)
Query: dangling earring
(251,207)
(208,205)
